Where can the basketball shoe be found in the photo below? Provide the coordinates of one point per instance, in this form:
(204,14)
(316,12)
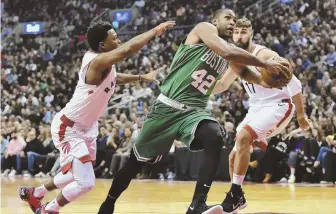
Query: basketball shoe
(106,208)
(198,206)
(234,202)
(42,210)
(27,194)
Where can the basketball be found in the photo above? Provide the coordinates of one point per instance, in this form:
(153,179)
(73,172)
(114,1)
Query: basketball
(273,80)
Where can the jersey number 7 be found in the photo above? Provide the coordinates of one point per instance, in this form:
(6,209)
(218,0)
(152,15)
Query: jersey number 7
(251,89)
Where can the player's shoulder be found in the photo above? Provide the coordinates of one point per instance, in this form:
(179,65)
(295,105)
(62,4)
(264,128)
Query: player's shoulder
(205,26)
(264,52)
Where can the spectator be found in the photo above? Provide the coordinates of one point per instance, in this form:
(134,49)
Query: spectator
(276,151)
(4,143)
(14,149)
(34,149)
(121,156)
(330,162)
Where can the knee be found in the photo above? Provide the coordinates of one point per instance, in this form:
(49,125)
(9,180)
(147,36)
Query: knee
(29,154)
(87,184)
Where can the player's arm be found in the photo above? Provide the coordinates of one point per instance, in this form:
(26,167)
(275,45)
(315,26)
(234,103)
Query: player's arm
(234,71)
(208,33)
(106,60)
(128,78)
(295,89)
(224,83)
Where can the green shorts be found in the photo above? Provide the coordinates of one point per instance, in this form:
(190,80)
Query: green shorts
(163,125)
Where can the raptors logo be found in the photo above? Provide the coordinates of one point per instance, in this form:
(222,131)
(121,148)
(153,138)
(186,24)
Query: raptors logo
(66,148)
(269,132)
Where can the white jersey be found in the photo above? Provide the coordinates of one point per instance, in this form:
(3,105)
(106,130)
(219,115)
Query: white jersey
(88,102)
(260,95)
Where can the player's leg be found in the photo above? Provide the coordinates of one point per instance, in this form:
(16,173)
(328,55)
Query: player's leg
(84,181)
(231,162)
(34,195)
(259,126)
(235,198)
(156,138)
(208,136)
(120,183)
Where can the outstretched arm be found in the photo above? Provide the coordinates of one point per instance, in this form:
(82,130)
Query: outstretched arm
(128,78)
(106,60)
(208,33)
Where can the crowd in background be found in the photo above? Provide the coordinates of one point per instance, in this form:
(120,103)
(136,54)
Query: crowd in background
(38,80)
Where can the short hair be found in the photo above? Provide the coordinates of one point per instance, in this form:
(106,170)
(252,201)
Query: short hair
(97,32)
(244,22)
(219,12)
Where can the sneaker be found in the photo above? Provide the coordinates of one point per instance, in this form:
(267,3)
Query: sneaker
(42,210)
(5,173)
(38,175)
(171,176)
(291,179)
(12,173)
(161,177)
(106,208)
(233,203)
(283,180)
(325,182)
(44,175)
(26,194)
(27,175)
(198,206)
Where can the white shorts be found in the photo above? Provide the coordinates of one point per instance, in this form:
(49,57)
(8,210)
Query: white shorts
(266,121)
(73,143)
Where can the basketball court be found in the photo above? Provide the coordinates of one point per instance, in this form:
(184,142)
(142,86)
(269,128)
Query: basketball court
(173,197)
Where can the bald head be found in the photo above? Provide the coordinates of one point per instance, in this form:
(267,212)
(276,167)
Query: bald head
(220,12)
(225,21)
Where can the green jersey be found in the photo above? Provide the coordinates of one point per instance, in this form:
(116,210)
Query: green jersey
(193,74)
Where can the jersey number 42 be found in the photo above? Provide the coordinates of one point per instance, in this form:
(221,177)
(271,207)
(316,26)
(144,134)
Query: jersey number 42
(202,81)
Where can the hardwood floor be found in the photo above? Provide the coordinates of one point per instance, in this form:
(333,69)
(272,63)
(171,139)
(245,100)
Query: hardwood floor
(163,197)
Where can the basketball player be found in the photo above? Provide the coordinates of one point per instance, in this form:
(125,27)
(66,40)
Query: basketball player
(179,111)
(270,111)
(75,128)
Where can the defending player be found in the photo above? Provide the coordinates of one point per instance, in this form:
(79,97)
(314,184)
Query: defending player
(179,111)
(75,128)
(270,111)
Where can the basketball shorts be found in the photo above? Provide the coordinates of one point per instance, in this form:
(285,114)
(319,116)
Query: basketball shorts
(163,125)
(73,143)
(266,121)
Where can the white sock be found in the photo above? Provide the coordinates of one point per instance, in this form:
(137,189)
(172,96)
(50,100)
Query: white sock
(292,171)
(40,191)
(53,206)
(238,179)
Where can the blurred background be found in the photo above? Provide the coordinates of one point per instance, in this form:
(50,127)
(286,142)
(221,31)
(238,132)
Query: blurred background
(43,42)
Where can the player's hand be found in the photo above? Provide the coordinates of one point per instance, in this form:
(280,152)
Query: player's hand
(161,28)
(152,76)
(304,123)
(276,67)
